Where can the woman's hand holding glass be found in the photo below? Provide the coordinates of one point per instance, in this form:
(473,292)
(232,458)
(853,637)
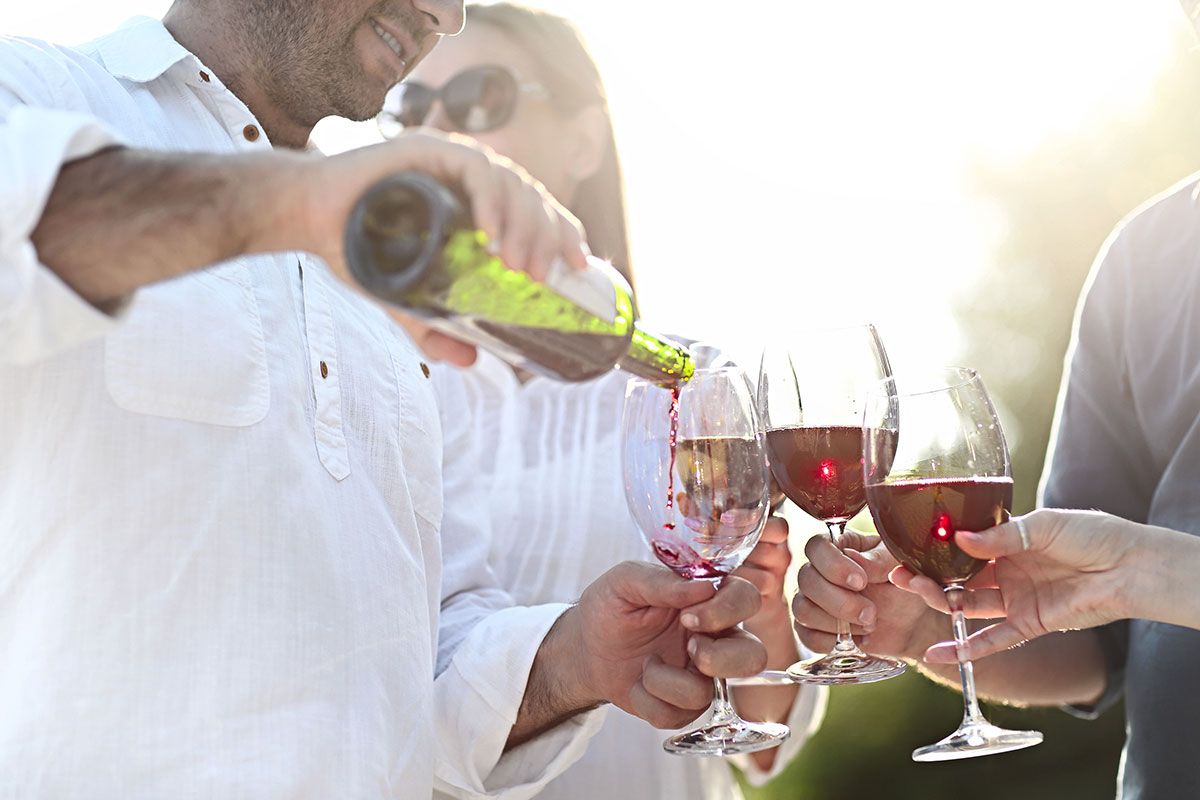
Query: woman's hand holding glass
(1070,570)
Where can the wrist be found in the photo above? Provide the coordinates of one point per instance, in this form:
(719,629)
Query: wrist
(1157,583)
(564,666)
(278,204)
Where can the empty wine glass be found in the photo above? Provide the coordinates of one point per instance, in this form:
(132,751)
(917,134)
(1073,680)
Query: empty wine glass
(935,463)
(696,481)
(811,392)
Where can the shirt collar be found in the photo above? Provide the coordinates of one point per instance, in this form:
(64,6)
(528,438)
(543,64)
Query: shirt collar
(141,50)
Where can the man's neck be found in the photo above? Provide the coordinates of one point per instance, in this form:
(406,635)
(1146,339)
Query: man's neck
(215,42)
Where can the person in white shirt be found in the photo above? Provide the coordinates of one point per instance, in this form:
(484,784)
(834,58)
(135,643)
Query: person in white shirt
(522,82)
(236,516)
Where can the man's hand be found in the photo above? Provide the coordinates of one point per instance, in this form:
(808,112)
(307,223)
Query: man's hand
(647,641)
(528,227)
(851,583)
(766,567)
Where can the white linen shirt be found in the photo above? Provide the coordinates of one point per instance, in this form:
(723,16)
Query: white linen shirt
(560,518)
(226,568)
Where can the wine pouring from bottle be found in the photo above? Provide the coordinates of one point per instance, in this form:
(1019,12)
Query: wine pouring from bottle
(410,241)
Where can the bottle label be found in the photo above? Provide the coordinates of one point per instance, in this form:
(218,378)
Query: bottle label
(591,289)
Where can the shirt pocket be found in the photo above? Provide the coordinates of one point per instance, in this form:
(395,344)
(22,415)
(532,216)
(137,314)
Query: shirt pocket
(192,348)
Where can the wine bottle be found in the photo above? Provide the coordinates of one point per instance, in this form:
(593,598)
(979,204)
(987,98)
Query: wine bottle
(411,243)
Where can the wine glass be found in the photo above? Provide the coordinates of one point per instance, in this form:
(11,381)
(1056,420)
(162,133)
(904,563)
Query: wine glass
(810,397)
(695,474)
(935,462)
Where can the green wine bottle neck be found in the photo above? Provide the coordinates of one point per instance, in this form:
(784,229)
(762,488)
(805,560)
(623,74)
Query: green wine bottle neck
(656,359)
(410,242)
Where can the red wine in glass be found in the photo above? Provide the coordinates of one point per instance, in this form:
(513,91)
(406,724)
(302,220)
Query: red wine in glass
(919,519)
(811,390)
(820,469)
(947,470)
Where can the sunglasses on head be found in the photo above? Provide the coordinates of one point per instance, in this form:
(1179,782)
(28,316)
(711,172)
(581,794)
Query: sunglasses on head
(476,100)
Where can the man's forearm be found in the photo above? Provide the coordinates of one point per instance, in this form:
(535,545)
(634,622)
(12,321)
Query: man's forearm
(1060,669)
(123,218)
(553,694)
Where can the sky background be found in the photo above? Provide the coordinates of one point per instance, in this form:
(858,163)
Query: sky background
(799,163)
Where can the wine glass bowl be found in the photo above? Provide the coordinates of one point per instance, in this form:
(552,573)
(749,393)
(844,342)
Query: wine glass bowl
(935,462)
(811,393)
(696,480)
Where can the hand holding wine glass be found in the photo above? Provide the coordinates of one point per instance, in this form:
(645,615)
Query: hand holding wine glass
(936,464)
(1069,570)
(697,484)
(810,397)
(849,582)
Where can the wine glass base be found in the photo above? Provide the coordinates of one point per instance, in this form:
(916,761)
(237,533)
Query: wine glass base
(838,669)
(728,738)
(979,739)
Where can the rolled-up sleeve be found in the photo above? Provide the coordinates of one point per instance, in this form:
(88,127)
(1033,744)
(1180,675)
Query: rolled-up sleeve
(486,644)
(39,314)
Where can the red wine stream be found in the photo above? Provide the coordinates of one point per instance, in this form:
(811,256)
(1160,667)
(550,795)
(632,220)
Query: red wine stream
(672,443)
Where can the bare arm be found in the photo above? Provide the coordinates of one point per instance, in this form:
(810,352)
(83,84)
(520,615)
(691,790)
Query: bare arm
(122,218)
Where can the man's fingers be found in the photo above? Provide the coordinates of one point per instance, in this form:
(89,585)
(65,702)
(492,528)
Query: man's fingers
(677,687)
(736,601)
(649,585)
(659,714)
(809,615)
(738,655)
(876,562)
(925,588)
(775,531)
(988,641)
(841,603)
(833,565)
(766,581)
(817,641)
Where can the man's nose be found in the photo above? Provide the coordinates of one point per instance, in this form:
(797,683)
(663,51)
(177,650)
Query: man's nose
(447,16)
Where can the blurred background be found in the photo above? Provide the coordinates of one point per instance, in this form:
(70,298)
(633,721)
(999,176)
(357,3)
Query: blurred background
(948,170)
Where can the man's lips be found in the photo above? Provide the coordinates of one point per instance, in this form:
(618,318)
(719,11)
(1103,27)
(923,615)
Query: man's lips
(396,41)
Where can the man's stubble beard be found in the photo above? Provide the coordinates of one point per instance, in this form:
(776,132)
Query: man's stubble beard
(307,61)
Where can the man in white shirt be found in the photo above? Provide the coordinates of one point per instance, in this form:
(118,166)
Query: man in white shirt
(236,514)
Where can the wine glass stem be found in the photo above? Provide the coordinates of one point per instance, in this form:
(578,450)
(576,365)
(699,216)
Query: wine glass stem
(845,641)
(722,708)
(966,670)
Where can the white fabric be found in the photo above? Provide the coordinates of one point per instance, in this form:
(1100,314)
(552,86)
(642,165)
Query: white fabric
(559,516)
(222,573)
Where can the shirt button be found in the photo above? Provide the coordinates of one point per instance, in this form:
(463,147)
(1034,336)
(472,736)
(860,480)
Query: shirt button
(251,133)
(204,76)
(324,370)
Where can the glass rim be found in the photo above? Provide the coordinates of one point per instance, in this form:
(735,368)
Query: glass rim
(969,375)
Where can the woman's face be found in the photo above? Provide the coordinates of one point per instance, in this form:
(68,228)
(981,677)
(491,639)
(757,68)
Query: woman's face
(536,136)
